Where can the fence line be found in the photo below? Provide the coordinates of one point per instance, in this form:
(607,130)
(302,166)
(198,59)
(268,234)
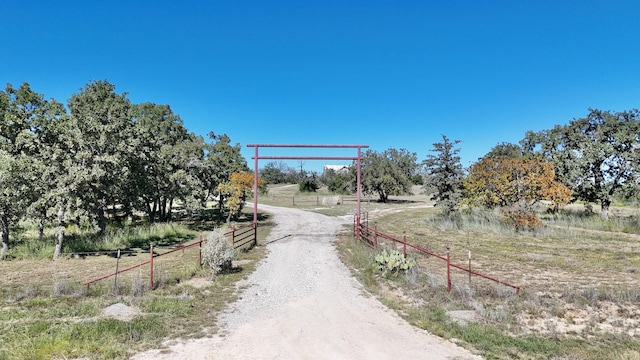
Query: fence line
(240,237)
(370,237)
(315,199)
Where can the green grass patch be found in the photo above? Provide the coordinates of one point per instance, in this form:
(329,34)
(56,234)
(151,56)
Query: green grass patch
(96,339)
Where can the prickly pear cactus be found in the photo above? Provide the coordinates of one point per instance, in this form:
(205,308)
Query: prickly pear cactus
(393,261)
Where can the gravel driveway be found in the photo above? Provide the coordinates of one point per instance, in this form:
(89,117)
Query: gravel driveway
(302,303)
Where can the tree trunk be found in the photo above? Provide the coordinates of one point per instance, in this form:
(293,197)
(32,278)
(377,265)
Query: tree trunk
(149,215)
(163,210)
(60,234)
(604,208)
(4,233)
(169,211)
(383,196)
(128,214)
(220,202)
(154,211)
(102,221)
(41,227)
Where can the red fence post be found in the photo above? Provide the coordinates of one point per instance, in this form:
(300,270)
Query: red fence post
(358,231)
(404,244)
(200,250)
(354,225)
(255,234)
(448,271)
(115,279)
(151,267)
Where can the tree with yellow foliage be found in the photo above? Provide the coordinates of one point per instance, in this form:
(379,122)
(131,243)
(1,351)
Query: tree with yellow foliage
(514,184)
(234,192)
(507,181)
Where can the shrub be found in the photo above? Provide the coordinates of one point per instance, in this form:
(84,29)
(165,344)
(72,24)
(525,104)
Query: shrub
(309,184)
(340,184)
(217,252)
(520,218)
(138,286)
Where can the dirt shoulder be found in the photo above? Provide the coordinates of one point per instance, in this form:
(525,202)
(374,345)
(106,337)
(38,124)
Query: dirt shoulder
(302,303)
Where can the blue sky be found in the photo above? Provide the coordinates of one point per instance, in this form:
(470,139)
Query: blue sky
(389,74)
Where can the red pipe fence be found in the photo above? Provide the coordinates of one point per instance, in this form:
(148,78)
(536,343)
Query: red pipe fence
(240,237)
(369,236)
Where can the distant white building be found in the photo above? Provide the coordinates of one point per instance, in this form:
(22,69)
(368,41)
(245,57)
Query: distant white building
(339,169)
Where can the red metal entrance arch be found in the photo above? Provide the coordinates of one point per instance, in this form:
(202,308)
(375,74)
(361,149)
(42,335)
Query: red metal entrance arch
(257,157)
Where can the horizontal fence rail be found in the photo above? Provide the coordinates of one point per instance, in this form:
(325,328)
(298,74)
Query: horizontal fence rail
(369,236)
(316,199)
(240,237)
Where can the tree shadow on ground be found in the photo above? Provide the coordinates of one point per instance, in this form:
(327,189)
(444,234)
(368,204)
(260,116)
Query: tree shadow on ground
(215,219)
(401,201)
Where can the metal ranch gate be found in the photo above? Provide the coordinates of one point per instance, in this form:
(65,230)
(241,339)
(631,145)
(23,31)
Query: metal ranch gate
(257,157)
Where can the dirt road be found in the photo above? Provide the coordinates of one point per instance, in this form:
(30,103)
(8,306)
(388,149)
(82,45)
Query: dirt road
(302,303)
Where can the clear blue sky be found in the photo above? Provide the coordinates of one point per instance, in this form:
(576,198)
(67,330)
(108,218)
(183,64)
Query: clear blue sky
(383,73)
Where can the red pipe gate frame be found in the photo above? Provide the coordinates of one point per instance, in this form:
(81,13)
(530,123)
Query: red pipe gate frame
(255,157)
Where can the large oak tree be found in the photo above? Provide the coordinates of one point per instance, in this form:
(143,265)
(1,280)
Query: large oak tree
(387,173)
(103,143)
(506,181)
(596,156)
(23,114)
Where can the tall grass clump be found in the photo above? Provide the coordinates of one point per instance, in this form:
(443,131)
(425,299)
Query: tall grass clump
(362,258)
(587,219)
(128,237)
(141,236)
(474,220)
(31,248)
(26,245)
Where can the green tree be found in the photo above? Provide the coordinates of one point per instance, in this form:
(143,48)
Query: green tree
(16,194)
(278,173)
(188,162)
(310,183)
(103,147)
(340,182)
(596,156)
(169,162)
(53,185)
(445,174)
(505,150)
(221,160)
(22,111)
(387,173)
(273,172)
